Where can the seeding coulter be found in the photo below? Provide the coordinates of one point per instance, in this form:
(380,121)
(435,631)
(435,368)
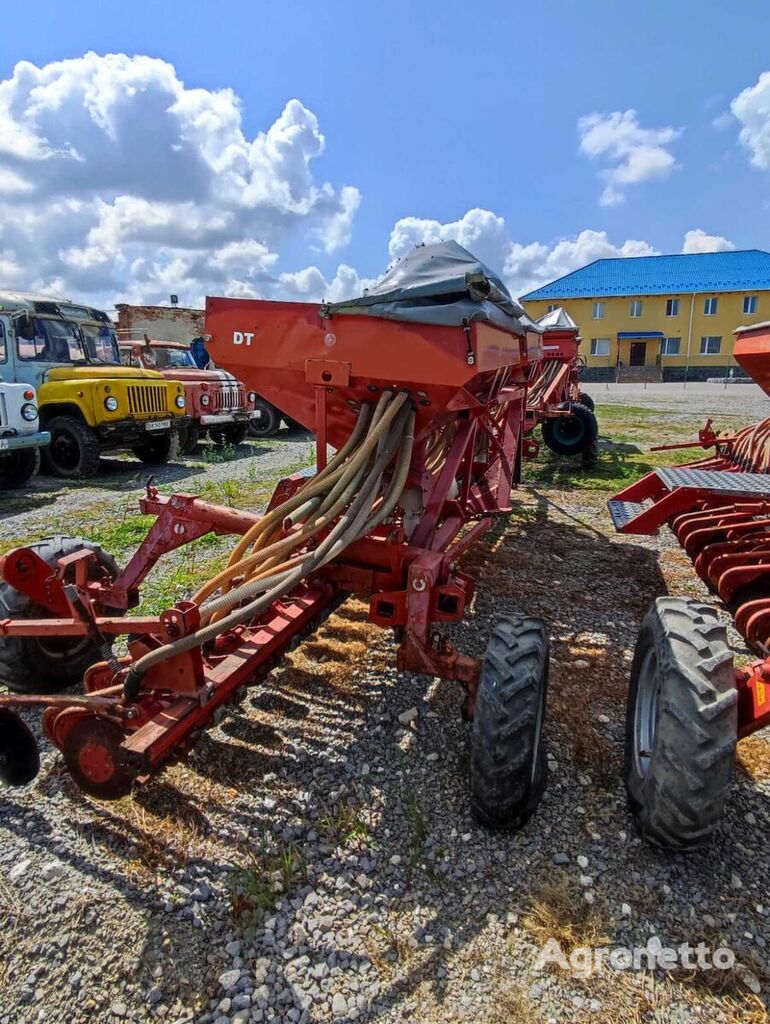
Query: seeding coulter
(555,402)
(688,703)
(427,425)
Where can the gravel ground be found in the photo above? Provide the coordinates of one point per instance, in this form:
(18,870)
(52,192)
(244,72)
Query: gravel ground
(315,859)
(693,400)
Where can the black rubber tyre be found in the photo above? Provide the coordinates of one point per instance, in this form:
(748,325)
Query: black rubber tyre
(586,400)
(233,433)
(681,724)
(509,768)
(30,664)
(189,438)
(19,754)
(157,451)
(267,421)
(74,449)
(573,434)
(17,468)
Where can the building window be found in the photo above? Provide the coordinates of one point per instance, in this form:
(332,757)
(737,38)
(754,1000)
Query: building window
(749,304)
(600,346)
(710,307)
(598,311)
(636,307)
(670,346)
(710,345)
(672,307)
(551,308)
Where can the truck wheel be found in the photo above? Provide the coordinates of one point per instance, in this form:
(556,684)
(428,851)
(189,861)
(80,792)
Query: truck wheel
(74,448)
(681,724)
(233,433)
(158,450)
(571,435)
(17,468)
(586,400)
(189,438)
(266,420)
(47,664)
(508,757)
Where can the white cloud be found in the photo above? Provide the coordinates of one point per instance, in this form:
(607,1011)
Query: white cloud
(523,266)
(634,154)
(310,285)
(752,108)
(480,231)
(696,240)
(118,181)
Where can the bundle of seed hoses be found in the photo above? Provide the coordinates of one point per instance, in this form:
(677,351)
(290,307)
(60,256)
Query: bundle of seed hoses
(358,489)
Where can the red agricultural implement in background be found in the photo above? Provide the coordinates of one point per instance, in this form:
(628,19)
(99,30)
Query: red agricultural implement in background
(420,387)
(555,402)
(688,705)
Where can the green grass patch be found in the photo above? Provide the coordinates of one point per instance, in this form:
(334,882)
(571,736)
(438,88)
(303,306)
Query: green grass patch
(273,870)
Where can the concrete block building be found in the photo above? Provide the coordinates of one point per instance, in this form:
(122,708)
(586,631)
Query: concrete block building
(667,318)
(161,323)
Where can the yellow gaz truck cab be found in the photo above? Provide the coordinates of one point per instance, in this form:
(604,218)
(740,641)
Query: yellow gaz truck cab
(88,401)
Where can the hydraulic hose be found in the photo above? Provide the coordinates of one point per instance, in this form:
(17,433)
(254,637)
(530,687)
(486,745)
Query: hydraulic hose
(344,486)
(367,509)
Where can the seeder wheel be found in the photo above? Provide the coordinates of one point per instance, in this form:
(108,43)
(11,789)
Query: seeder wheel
(91,749)
(508,756)
(573,434)
(48,663)
(681,724)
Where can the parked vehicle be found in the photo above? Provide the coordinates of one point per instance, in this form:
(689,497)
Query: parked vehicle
(88,401)
(20,435)
(216,401)
(265,417)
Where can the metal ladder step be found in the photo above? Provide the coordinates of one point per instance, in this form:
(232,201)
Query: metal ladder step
(623,512)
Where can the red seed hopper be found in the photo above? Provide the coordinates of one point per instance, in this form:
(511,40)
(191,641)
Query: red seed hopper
(420,387)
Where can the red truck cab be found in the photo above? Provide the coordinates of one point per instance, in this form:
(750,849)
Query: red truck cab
(217,402)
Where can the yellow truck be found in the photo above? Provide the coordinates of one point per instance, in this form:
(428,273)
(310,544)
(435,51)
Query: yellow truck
(87,400)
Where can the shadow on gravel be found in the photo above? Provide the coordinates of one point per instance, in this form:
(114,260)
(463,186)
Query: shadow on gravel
(324,727)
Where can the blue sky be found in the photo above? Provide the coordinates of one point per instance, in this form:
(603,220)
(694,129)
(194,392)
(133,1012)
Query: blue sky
(429,110)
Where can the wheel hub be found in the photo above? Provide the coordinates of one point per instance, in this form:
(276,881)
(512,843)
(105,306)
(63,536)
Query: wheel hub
(646,713)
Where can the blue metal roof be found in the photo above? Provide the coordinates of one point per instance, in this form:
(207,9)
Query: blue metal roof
(625,335)
(742,271)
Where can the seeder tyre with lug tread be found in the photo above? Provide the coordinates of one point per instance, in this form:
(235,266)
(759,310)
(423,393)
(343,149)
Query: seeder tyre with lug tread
(585,399)
(46,664)
(573,434)
(681,724)
(509,768)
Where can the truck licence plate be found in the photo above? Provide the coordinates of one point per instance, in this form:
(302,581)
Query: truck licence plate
(157,425)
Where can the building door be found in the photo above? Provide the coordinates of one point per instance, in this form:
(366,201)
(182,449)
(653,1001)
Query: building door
(638,353)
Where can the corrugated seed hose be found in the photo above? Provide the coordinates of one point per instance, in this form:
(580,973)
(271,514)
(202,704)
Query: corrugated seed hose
(348,495)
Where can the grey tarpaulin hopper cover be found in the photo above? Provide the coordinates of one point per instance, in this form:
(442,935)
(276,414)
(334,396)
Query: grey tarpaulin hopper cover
(440,284)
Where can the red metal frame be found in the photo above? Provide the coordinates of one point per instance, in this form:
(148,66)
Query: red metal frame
(553,380)
(728,539)
(474,418)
